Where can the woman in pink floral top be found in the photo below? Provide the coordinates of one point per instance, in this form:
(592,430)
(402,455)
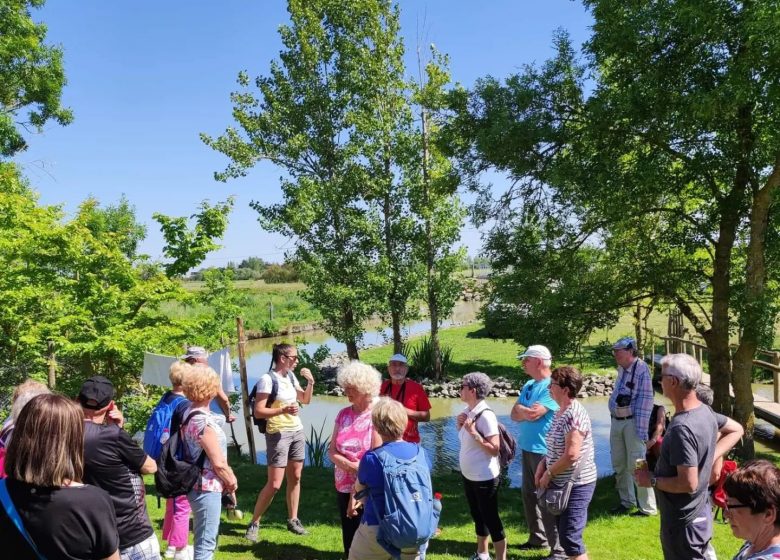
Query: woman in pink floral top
(353,435)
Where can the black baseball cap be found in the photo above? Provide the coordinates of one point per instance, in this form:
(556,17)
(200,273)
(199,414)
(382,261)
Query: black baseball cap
(96,392)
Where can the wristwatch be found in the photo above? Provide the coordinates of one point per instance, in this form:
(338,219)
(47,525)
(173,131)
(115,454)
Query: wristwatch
(653,481)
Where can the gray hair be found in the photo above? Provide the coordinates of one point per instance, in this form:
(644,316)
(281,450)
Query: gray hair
(478,381)
(705,394)
(684,367)
(360,376)
(27,391)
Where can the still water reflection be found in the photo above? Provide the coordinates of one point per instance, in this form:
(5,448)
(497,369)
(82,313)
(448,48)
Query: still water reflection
(439,436)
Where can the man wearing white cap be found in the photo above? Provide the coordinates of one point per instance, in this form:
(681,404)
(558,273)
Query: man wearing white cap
(409,393)
(630,406)
(535,409)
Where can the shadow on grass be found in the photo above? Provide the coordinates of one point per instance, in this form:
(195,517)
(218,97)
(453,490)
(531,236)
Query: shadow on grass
(281,551)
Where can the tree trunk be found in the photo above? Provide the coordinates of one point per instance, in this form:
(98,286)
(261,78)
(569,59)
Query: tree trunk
(638,327)
(397,340)
(755,310)
(351,341)
(718,340)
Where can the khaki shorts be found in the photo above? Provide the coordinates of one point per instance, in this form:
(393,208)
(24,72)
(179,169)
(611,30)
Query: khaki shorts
(365,547)
(282,447)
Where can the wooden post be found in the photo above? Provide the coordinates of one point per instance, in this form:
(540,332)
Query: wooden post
(776,377)
(52,365)
(250,436)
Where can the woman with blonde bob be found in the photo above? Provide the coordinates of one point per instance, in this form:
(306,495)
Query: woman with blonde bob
(176,524)
(389,419)
(45,464)
(202,432)
(353,435)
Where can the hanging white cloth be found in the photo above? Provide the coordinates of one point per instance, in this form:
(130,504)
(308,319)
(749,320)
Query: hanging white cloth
(157,369)
(220,362)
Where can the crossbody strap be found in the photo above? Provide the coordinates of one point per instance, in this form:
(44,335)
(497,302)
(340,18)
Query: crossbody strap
(13,515)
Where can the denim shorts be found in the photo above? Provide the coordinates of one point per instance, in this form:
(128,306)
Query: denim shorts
(282,447)
(571,523)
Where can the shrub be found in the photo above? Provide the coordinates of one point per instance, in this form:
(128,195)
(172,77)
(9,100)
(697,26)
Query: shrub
(421,356)
(279,274)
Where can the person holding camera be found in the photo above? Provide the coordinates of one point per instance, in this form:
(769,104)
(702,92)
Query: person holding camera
(630,407)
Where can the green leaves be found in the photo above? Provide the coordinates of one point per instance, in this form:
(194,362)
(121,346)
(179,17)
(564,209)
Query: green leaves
(31,79)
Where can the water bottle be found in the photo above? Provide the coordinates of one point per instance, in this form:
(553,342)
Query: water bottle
(437,502)
(166,435)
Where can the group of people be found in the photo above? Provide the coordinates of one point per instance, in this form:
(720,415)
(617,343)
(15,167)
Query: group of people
(74,486)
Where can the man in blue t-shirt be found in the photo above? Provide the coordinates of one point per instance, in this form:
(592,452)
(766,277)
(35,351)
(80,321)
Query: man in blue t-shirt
(534,410)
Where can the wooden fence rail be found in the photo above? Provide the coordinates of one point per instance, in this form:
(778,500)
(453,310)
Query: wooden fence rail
(674,344)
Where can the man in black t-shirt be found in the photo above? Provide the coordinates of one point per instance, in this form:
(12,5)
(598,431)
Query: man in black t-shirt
(115,463)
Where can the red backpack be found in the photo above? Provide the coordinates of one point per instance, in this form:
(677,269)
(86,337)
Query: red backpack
(718,493)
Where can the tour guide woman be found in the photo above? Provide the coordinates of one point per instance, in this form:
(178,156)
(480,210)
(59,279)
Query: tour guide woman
(202,432)
(284,438)
(569,444)
(45,465)
(353,435)
(753,509)
(479,446)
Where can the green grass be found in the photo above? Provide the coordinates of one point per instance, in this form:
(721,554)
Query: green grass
(289,307)
(606,536)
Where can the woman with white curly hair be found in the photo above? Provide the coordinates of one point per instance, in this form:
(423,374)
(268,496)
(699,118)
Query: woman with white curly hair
(353,435)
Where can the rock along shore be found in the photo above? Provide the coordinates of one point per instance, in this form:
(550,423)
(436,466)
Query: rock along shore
(592,386)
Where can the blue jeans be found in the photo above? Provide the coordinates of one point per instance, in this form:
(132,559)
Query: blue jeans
(206,510)
(571,522)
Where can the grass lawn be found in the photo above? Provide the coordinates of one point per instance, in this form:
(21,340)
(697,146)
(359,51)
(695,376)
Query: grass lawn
(606,536)
(474,350)
(289,307)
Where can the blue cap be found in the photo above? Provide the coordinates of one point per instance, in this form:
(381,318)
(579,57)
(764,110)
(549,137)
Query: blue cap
(625,343)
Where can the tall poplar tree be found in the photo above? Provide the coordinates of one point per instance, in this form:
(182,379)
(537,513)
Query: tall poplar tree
(304,118)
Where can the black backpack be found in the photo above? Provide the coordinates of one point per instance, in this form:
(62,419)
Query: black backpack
(262,423)
(507,445)
(177,476)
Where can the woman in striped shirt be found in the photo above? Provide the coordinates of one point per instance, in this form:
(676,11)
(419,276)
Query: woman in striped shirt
(570,457)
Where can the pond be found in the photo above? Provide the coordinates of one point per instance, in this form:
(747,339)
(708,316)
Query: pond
(439,436)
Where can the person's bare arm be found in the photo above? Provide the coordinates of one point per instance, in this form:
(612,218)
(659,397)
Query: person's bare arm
(337,458)
(149,466)
(418,415)
(208,441)
(658,427)
(728,436)
(305,395)
(224,405)
(262,411)
(685,482)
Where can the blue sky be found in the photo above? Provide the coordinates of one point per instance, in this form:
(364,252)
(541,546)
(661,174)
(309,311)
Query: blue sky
(145,78)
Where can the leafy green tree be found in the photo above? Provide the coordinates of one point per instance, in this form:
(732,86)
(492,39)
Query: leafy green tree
(434,201)
(31,76)
(673,155)
(304,119)
(188,247)
(384,126)
(118,221)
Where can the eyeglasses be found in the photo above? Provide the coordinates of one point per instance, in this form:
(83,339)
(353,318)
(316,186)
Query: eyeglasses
(728,506)
(294,357)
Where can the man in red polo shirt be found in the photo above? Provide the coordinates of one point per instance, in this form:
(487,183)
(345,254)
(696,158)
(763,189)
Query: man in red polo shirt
(409,393)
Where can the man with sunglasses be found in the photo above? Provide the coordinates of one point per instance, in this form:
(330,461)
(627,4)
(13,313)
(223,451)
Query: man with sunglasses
(683,470)
(534,410)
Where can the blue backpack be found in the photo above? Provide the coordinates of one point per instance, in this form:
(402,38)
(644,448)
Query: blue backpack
(410,519)
(159,422)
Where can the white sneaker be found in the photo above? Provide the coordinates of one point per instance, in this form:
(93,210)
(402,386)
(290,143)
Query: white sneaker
(183,554)
(170,553)
(251,532)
